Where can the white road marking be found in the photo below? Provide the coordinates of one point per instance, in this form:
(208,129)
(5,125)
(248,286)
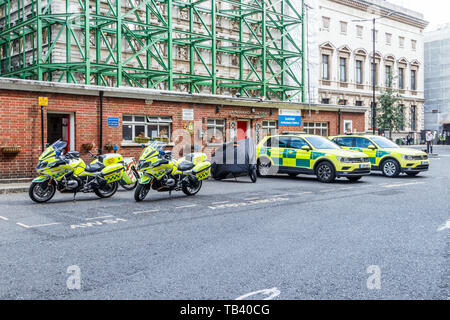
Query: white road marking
(270,293)
(249,203)
(37,226)
(306,192)
(97,223)
(280,195)
(220,202)
(346,188)
(254,198)
(4,218)
(402,184)
(446,225)
(326,190)
(186,206)
(146,211)
(94,218)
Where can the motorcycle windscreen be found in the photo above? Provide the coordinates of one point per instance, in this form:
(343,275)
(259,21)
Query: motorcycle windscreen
(234,159)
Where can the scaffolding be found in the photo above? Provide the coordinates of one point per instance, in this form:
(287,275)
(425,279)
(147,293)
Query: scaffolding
(253,48)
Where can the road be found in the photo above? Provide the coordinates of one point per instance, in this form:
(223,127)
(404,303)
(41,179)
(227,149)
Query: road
(306,239)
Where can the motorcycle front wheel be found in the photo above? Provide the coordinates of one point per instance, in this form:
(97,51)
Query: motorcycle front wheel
(128,187)
(192,189)
(141,192)
(106,191)
(42,191)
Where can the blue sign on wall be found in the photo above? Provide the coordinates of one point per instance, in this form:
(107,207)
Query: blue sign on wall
(113,122)
(289,118)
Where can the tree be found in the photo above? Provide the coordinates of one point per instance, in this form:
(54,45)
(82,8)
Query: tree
(390,114)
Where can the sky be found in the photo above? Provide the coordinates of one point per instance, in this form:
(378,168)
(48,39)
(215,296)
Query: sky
(436,12)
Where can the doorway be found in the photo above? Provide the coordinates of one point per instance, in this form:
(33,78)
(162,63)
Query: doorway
(60,126)
(243,129)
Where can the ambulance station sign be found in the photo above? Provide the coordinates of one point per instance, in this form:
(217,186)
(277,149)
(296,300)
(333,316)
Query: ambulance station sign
(289,118)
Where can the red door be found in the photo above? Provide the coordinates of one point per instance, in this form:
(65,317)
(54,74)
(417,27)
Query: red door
(241,130)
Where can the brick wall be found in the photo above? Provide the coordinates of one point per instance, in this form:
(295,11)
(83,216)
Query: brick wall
(20,124)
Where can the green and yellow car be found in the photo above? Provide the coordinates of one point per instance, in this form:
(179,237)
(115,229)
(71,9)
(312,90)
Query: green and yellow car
(385,155)
(309,154)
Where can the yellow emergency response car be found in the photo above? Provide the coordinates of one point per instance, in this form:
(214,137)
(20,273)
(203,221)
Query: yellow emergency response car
(385,155)
(309,154)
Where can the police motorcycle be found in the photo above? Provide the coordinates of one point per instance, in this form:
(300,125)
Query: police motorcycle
(158,171)
(68,173)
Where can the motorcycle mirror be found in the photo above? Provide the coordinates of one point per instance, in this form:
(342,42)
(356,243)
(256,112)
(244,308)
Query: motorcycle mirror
(47,145)
(115,148)
(142,146)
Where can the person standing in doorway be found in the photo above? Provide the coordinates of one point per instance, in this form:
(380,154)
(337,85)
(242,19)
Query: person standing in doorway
(408,140)
(429,139)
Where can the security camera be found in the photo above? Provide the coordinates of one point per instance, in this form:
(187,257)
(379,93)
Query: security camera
(238,95)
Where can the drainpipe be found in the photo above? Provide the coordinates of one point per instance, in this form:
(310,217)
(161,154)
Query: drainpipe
(339,121)
(100,148)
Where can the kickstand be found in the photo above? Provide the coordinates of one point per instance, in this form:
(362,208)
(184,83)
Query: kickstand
(170,193)
(74,194)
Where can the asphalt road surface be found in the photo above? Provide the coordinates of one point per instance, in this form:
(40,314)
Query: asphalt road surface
(379,238)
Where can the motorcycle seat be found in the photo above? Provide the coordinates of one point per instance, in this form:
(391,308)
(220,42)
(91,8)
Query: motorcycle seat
(94,167)
(185,165)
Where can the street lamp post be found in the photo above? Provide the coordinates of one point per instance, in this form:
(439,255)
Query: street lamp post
(374,69)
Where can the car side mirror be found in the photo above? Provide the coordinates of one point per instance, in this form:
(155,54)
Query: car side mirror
(372,147)
(306,148)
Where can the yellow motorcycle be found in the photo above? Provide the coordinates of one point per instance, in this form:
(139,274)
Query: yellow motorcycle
(158,171)
(68,173)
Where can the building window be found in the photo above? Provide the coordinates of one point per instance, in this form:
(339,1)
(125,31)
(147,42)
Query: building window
(401,77)
(146,126)
(376,35)
(269,128)
(413,44)
(413,118)
(359,31)
(388,39)
(326,23)
(359,72)
(326,101)
(216,131)
(413,80)
(401,42)
(343,27)
(348,126)
(325,67)
(388,80)
(374,73)
(318,128)
(342,102)
(343,69)
(358,103)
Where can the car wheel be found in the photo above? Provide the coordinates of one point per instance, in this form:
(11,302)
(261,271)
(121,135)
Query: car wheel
(325,172)
(264,168)
(354,179)
(253,175)
(390,168)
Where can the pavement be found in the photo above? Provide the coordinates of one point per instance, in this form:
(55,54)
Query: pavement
(293,237)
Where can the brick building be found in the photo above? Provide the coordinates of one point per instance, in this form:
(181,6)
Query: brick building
(73,114)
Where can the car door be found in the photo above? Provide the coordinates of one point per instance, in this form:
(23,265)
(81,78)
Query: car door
(362,144)
(298,158)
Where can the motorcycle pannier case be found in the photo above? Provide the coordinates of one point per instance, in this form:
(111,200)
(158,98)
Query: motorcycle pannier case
(202,170)
(113,173)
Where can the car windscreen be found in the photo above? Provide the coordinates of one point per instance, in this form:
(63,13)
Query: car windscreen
(382,142)
(322,143)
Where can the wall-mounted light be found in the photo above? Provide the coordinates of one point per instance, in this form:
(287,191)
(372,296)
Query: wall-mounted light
(217,109)
(271,111)
(253,110)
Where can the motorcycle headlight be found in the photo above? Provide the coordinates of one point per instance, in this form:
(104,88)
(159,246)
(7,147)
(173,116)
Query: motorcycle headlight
(143,164)
(41,165)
